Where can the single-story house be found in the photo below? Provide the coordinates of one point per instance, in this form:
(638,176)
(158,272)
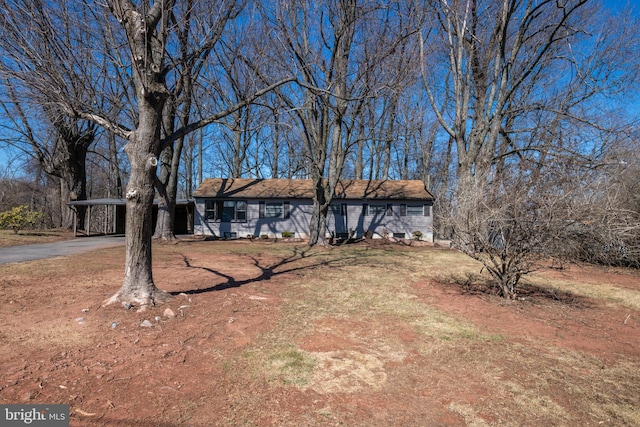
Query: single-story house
(230,208)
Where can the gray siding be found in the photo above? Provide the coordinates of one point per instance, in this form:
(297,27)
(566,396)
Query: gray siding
(381,224)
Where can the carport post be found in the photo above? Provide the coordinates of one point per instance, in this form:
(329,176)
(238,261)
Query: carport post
(89,222)
(75,221)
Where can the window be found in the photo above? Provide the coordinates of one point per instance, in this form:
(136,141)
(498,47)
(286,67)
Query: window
(415,210)
(375,209)
(274,209)
(241,210)
(226,210)
(209,210)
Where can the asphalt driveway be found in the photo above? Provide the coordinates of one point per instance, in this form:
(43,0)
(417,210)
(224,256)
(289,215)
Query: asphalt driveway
(49,250)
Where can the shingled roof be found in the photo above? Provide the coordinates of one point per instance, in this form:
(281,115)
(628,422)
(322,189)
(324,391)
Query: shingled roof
(303,189)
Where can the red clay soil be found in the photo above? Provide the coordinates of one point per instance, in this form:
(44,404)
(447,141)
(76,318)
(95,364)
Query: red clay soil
(182,370)
(582,324)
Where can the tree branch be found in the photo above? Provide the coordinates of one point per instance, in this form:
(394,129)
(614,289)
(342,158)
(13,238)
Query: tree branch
(214,117)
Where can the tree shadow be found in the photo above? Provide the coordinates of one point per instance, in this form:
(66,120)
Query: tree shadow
(478,285)
(36,233)
(538,293)
(266,272)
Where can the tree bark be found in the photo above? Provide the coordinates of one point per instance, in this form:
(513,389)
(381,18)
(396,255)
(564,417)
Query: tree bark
(146,43)
(138,286)
(167,193)
(76,181)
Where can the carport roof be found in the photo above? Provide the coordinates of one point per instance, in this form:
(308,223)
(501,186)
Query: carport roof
(94,202)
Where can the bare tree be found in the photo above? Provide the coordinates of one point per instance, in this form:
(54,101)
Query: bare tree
(193,23)
(568,210)
(495,51)
(35,68)
(511,119)
(513,226)
(609,206)
(150,36)
(337,48)
(61,150)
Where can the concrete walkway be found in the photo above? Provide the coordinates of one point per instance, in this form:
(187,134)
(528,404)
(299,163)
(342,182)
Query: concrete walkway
(49,250)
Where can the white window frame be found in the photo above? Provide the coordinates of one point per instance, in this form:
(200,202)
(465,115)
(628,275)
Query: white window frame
(376,210)
(270,209)
(214,210)
(415,210)
(273,209)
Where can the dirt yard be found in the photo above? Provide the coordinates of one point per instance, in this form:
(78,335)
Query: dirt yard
(277,334)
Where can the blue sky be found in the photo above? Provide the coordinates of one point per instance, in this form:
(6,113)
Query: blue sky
(11,159)
(619,4)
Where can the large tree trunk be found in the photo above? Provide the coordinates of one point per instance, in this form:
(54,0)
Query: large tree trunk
(143,148)
(167,193)
(76,181)
(317,225)
(138,287)
(166,215)
(65,214)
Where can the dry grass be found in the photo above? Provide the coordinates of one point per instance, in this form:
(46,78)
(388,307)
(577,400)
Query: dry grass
(390,341)
(531,385)
(27,237)
(603,291)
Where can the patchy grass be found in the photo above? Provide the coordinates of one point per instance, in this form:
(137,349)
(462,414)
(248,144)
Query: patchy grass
(598,289)
(538,381)
(375,285)
(292,366)
(358,335)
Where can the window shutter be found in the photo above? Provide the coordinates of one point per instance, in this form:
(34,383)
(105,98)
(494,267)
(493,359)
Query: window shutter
(365,209)
(403,210)
(287,207)
(389,211)
(343,209)
(261,210)
(427,210)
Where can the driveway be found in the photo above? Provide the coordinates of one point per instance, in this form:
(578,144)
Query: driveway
(49,250)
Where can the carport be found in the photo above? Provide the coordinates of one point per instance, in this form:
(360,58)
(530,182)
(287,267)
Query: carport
(112,212)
